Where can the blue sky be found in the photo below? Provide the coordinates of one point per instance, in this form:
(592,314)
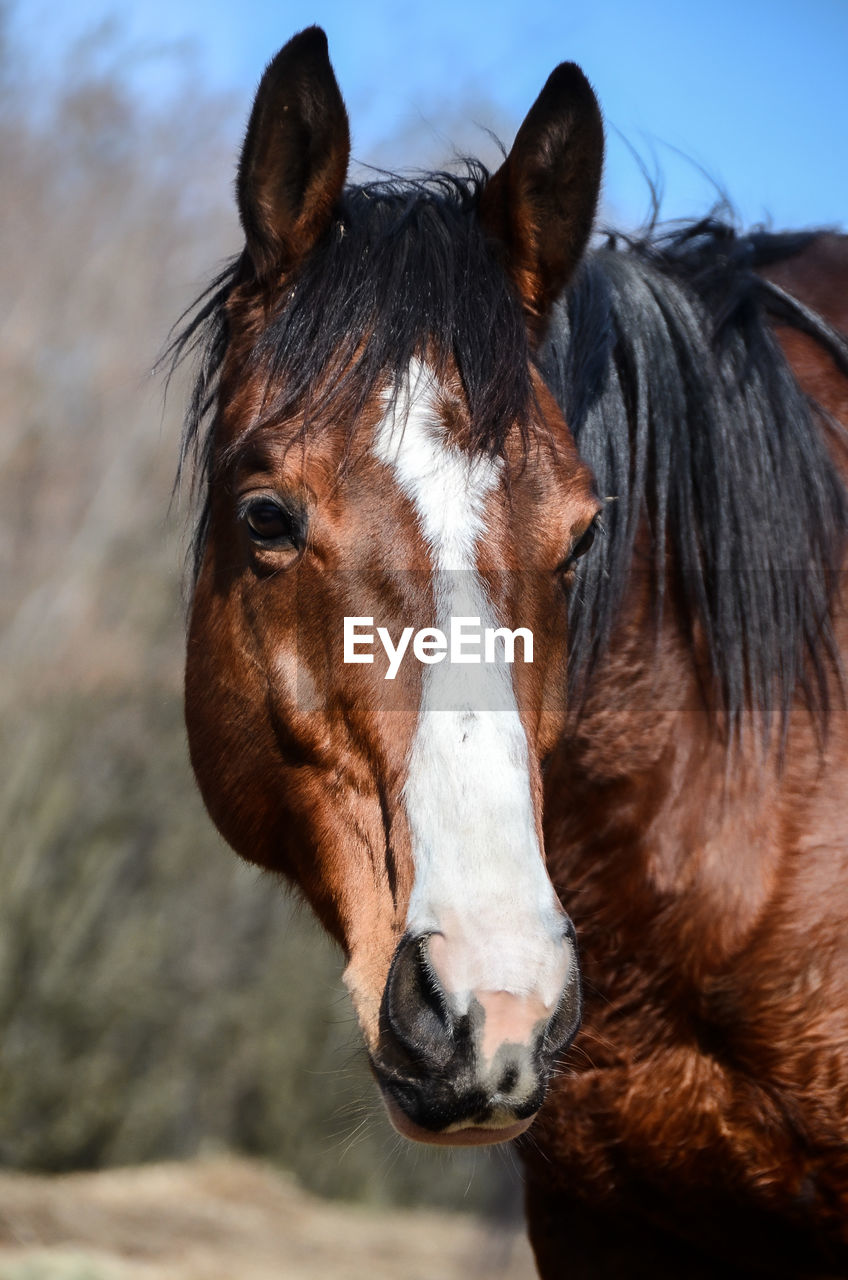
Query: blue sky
(754,92)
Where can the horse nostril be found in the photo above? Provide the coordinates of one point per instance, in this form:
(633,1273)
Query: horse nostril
(414,1015)
(565,1022)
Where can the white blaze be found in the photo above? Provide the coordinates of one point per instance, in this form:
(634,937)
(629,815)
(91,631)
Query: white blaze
(480,878)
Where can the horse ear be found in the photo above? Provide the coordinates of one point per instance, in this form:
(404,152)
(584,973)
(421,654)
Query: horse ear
(540,204)
(295,155)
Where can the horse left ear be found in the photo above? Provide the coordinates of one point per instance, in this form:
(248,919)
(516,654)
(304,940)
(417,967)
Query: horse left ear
(295,155)
(540,205)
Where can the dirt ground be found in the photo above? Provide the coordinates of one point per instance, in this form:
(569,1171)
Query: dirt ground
(229,1219)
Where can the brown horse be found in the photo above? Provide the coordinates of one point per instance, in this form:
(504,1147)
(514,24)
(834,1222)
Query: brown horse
(516,594)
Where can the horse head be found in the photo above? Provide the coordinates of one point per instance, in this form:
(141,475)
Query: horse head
(385,464)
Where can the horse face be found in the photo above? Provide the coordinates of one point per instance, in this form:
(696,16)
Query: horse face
(402,794)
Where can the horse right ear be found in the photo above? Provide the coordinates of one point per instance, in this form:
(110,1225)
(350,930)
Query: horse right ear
(295,155)
(539,207)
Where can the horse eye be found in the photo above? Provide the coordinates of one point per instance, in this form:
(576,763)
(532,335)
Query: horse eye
(584,543)
(270,525)
(580,547)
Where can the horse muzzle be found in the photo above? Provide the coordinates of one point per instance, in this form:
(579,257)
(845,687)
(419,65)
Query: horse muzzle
(467,1069)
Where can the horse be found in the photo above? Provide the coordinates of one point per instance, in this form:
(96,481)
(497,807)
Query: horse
(597,883)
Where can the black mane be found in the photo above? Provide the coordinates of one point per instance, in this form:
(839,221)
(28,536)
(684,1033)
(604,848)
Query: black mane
(662,356)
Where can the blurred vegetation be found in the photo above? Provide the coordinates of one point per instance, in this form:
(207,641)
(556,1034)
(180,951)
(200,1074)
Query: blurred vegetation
(157,997)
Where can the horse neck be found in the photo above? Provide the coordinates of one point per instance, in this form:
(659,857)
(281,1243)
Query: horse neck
(654,826)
